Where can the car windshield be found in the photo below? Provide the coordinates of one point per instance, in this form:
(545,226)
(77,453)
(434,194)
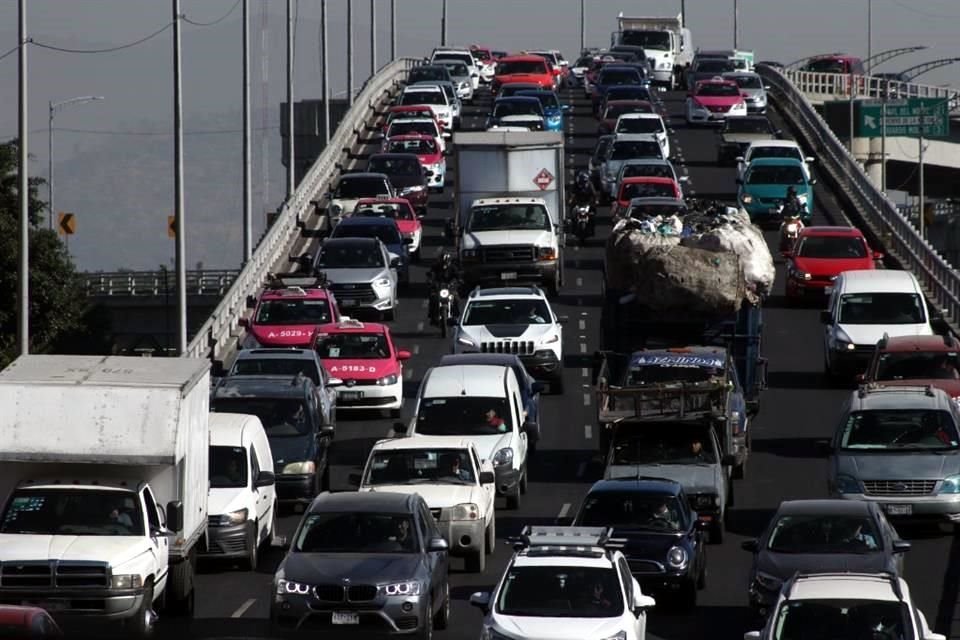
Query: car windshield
(423,97)
(652,210)
(898,429)
(405,127)
(639,125)
(646,170)
(832,247)
(775,152)
(827,65)
(632,511)
(281,417)
(351,256)
(826,533)
(629,92)
(748,82)
(421,146)
(69,512)
(420,466)
(428,74)
(666,443)
(659,40)
(293,311)
(716,67)
(630,190)
(619,77)
(393,211)
(228,467)
(626,149)
(275,366)
(842,619)
(776,174)
(395,166)
(499,217)
(388,234)
(718,90)
(746,125)
(455,67)
(518,311)
(352,346)
(516,108)
(356,533)
(361,188)
(463,416)
(521,66)
(917,365)
(615,111)
(881,308)
(560,592)
(547,100)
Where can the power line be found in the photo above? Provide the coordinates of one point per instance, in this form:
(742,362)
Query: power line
(11,52)
(921,12)
(213,22)
(109,49)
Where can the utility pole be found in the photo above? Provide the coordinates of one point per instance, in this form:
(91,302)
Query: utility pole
(350,52)
(373,38)
(921,177)
(683,13)
(583,24)
(23,191)
(52,108)
(393,30)
(180,257)
(443,24)
(869,31)
(853,96)
(736,24)
(247,150)
(291,165)
(324,71)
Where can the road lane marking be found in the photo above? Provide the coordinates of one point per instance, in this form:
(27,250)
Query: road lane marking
(585,372)
(416,349)
(583,348)
(587,434)
(242,609)
(419,326)
(579,281)
(586,399)
(582,324)
(564,510)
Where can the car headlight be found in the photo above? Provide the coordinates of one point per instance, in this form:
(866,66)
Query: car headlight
(551,339)
(417,188)
(502,457)
(663,65)
(287,587)
(951,484)
(798,274)
(336,209)
(619,635)
(847,484)
(234,517)
(411,588)
(747,198)
(444,293)
(802,198)
(126,581)
(546,253)
(382,282)
(553,117)
(465,511)
(387,380)
(766,581)
(792,227)
(299,468)
(677,558)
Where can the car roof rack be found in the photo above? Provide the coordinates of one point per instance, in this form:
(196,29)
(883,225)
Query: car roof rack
(867,389)
(888,576)
(583,542)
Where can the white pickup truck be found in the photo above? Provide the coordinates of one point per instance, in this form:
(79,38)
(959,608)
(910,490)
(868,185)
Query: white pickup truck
(103,467)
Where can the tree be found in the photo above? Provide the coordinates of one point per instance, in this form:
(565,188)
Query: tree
(57,301)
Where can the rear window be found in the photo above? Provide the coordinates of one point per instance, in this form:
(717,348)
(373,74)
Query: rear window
(631,190)
(717,90)
(639,125)
(423,97)
(522,66)
(881,308)
(387,234)
(464,416)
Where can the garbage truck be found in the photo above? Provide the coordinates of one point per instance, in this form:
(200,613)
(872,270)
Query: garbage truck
(104,474)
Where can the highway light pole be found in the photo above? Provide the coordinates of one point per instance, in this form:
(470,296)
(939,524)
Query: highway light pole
(350,52)
(583,24)
(869,30)
(247,151)
(53,106)
(325,71)
(373,37)
(443,24)
(920,177)
(291,165)
(23,190)
(180,258)
(736,24)
(393,30)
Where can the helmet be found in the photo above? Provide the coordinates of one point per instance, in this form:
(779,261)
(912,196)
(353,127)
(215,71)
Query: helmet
(446,258)
(583,179)
(791,191)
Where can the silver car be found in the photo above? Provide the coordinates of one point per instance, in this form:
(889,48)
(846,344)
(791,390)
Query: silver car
(751,84)
(362,274)
(651,167)
(460,75)
(900,447)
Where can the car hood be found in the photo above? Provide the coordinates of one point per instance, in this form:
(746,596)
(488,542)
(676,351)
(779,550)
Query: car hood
(891,466)
(358,568)
(784,565)
(717,101)
(831,266)
(536,237)
(360,368)
(287,449)
(533,628)
(437,496)
(869,334)
(486,445)
(745,138)
(354,276)
(400,182)
(491,332)
(695,478)
(116,550)
(283,336)
(951,387)
(409,227)
(226,500)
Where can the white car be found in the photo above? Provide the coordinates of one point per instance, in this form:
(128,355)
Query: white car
(457,487)
(516,320)
(849,605)
(519,122)
(461,55)
(647,124)
(567,583)
(773,149)
(424,126)
(434,97)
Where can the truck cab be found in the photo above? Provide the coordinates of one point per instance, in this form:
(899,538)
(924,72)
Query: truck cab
(665,41)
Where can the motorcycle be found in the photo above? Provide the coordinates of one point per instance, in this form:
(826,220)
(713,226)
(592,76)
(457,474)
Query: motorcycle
(446,306)
(790,230)
(582,222)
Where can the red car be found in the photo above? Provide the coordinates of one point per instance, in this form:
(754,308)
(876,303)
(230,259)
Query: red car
(529,69)
(644,187)
(821,254)
(616,108)
(25,623)
(916,361)
(401,211)
(429,151)
(714,100)
(288,317)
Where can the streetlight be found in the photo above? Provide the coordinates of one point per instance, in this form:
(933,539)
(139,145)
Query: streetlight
(53,106)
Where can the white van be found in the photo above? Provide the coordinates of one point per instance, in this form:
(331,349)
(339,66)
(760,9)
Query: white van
(482,404)
(243,498)
(865,305)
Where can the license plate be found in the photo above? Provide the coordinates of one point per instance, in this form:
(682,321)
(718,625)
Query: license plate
(347,303)
(508,275)
(351,395)
(899,509)
(345,617)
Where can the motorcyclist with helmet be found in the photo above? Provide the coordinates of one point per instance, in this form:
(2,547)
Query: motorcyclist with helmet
(792,207)
(444,273)
(583,193)
(792,224)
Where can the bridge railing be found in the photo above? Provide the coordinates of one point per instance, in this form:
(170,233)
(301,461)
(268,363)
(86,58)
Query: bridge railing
(157,283)
(837,85)
(900,237)
(219,329)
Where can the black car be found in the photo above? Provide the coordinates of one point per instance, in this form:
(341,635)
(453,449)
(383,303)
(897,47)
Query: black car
(821,536)
(663,538)
(371,561)
(407,175)
(739,133)
(295,426)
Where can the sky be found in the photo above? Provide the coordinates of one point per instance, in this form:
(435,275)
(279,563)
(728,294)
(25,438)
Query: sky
(136,82)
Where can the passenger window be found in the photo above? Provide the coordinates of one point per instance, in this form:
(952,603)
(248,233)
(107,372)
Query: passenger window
(150,504)
(254,464)
(627,579)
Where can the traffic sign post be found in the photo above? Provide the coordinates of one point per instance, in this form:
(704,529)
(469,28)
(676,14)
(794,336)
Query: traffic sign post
(913,117)
(171,226)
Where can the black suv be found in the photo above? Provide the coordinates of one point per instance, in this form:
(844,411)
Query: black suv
(364,562)
(295,425)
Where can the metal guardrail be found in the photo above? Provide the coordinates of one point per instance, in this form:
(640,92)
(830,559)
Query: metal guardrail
(156,283)
(839,85)
(899,236)
(277,243)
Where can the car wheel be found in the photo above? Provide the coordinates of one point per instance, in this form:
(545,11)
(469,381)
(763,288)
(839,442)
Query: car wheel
(513,501)
(253,551)
(491,535)
(716,532)
(141,624)
(442,618)
(426,633)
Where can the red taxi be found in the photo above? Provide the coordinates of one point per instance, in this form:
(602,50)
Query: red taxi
(405,126)
(528,69)
(644,187)
(714,100)
(410,111)
(365,366)
(400,211)
(429,151)
(821,254)
(288,316)
(25,622)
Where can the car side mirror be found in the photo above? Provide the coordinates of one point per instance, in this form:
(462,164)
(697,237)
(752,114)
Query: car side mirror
(481,600)
(739,158)
(175,516)
(354,479)
(394,262)
(826,317)
(728,460)
(334,382)
(251,302)
(642,602)
(244,322)
(750,545)
(751,635)
(400,427)
(901,546)
(437,544)
(487,477)
(327,431)
(265,479)
(812,181)
(810,160)
(403,354)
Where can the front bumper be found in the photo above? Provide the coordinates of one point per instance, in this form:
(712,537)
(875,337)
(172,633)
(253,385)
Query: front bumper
(851,362)
(544,271)
(417,199)
(465,537)
(393,615)
(379,303)
(371,396)
(663,76)
(231,541)
(79,608)
(656,576)
(296,488)
(814,287)
(543,364)
(507,479)
(938,508)
(707,117)
(756,107)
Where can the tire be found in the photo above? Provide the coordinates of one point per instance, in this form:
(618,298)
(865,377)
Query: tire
(739,473)
(441,619)
(141,624)
(716,533)
(426,633)
(553,287)
(477,561)
(180,590)
(491,536)
(253,553)
(513,501)
(523,482)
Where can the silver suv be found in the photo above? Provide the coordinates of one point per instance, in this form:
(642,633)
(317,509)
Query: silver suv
(900,447)
(362,274)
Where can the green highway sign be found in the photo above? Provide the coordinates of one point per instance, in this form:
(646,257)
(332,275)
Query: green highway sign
(903,118)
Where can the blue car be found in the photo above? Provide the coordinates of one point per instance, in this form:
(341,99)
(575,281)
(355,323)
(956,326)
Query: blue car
(763,188)
(386,230)
(552,109)
(514,106)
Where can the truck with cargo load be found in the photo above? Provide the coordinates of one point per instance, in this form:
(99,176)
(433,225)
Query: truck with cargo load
(665,40)
(104,471)
(509,219)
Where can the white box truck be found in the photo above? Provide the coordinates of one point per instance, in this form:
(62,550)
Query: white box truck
(104,471)
(510,208)
(666,43)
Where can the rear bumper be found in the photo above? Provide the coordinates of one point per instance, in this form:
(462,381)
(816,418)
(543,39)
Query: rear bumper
(527,272)
(464,537)
(940,508)
(296,488)
(543,365)
(79,608)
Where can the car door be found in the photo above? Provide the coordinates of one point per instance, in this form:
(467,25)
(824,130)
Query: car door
(264,497)
(327,396)
(489,490)
(519,433)
(626,579)
(159,541)
(437,561)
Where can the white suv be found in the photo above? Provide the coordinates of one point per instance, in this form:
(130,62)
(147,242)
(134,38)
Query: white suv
(517,320)
(434,97)
(565,582)
(849,605)
(460,55)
